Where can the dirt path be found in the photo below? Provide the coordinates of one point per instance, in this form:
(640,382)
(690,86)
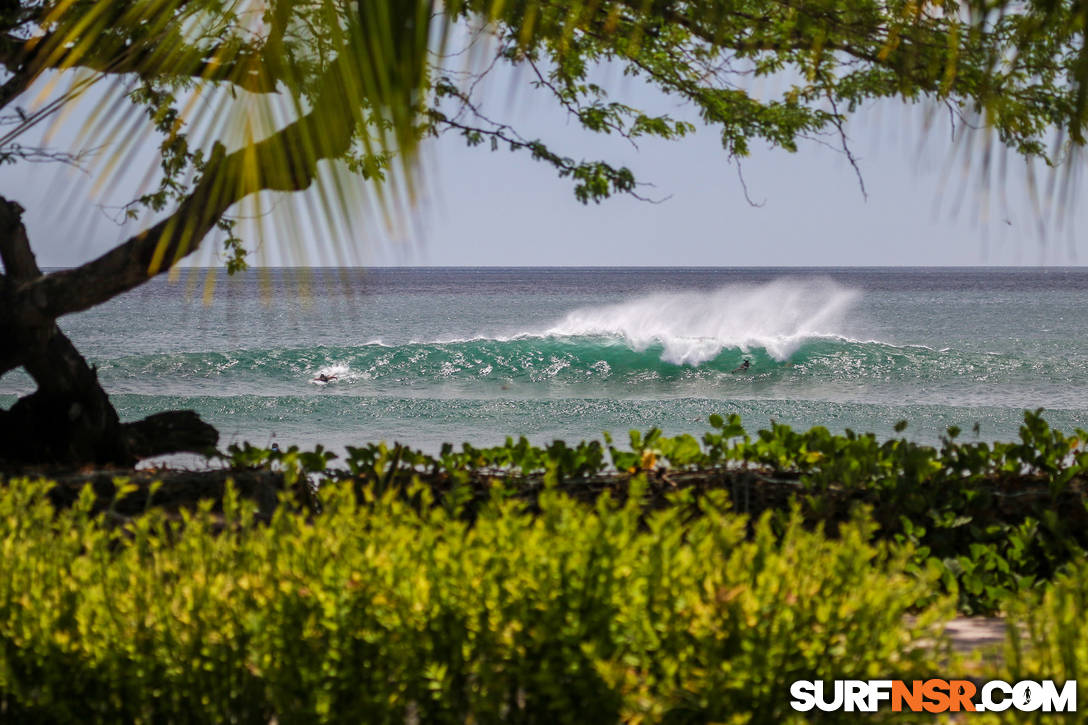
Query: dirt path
(970,634)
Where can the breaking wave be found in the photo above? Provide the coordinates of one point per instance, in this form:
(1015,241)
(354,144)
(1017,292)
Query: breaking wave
(696,327)
(797,333)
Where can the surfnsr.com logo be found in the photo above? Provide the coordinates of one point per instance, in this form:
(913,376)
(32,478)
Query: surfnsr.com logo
(933,696)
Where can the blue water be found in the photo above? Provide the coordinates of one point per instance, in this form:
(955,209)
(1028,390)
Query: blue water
(425,356)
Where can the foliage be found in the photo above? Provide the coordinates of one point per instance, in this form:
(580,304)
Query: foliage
(367,81)
(1047,640)
(382,612)
(995,518)
(999,517)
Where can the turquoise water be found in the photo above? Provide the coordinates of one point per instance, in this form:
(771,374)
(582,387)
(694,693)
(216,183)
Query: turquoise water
(425,356)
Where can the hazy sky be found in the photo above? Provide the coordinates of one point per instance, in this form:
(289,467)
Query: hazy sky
(499,208)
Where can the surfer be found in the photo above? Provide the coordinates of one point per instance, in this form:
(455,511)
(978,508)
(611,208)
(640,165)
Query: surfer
(323,378)
(742,367)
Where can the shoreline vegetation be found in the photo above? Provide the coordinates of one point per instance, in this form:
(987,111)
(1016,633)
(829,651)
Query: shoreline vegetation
(669,578)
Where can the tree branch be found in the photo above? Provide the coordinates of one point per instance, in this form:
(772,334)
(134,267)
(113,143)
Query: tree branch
(19,265)
(837,120)
(24,59)
(56,365)
(15,86)
(15,252)
(11,353)
(285,161)
(173,431)
(69,417)
(12,49)
(247,71)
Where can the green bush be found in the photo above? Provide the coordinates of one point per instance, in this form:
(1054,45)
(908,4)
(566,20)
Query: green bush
(388,611)
(1047,640)
(997,519)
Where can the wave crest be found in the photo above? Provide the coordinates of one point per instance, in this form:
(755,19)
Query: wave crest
(695,327)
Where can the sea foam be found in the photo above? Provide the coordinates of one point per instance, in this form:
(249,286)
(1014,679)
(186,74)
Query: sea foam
(694,327)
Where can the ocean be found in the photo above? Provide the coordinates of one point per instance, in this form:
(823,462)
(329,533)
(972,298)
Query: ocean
(428,355)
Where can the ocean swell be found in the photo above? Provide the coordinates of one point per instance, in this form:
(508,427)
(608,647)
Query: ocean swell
(560,359)
(800,335)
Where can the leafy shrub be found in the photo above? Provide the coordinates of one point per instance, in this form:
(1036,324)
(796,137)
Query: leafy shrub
(997,519)
(1047,640)
(383,611)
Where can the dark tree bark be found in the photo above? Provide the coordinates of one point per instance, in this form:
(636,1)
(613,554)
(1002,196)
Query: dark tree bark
(168,432)
(69,419)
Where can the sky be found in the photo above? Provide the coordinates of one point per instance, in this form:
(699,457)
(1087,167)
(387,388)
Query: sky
(480,207)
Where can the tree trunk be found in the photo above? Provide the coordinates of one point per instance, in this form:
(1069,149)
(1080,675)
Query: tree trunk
(69,419)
